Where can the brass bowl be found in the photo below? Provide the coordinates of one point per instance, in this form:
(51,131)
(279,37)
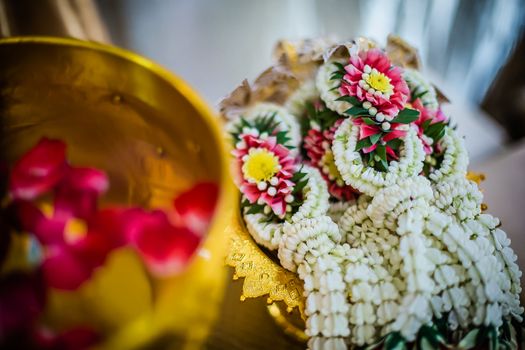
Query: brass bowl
(155,137)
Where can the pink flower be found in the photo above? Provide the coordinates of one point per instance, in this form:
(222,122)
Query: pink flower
(371,77)
(366,130)
(39,170)
(426,118)
(265,169)
(318,146)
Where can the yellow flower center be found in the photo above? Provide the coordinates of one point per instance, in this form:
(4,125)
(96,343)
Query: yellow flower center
(75,230)
(329,167)
(379,82)
(261,165)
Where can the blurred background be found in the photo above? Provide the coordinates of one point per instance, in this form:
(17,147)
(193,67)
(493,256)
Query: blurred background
(472,49)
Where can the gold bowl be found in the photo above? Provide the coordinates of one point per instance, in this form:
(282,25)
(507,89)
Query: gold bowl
(155,137)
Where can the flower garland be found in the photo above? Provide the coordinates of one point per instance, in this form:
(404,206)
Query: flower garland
(454,159)
(366,179)
(296,103)
(305,248)
(302,233)
(321,125)
(285,120)
(266,168)
(385,230)
(376,95)
(421,88)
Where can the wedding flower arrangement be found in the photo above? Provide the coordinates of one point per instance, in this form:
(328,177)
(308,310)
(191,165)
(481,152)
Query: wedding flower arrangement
(56,237)
(354,177)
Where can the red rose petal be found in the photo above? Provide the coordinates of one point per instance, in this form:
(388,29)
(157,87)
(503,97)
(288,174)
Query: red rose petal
(197,205)
(165,249)
(39,170)
(63,270)
(48,231)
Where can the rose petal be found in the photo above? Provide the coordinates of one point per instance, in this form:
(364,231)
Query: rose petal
(39,170)
(87,179)
(71,339)
(48,231)
(63,270)
(165,249)
(22,298)
(197,205)
(70,202)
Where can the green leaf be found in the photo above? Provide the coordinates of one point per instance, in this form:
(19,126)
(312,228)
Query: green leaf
(369,121)
(298,188)
(254,209)
(340,66)
(336,76)
(298,176)
(357,111)
(374,138)
(426,124)
(425,344)
(493,337)
(394,341)
(394,144)
(419,95)
(440,135)
(432,335)
(470,340)
(282,137)
(505,330)
(350,99)
(406,116)
(310,109)
(381,152)
(363,143)
(436,131)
